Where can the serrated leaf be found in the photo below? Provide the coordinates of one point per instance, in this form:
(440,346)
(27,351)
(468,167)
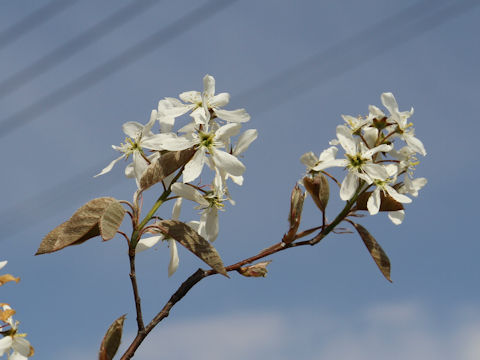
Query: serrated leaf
(387,203)
(83,225)
(167,164)
(319,189)
(375,250)
(191,240)
(111,340)
(111,220)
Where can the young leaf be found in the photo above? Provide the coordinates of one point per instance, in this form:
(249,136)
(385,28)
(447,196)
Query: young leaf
(189,238)
(100,216)
(111,220)
(377,253)
(164,166)
(319,189)
(387,203)
(111,340)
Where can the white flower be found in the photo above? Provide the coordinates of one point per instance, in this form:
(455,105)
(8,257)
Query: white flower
(400,117)
(207,143)
(411,186)
(358,161)
(373,203)
(14,343)
(356,123)
(138,138)
(311,161)
(210,203)
(149,242)
(203,105)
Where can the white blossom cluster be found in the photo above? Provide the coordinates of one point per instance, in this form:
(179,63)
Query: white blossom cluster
(370,157)
(210,132)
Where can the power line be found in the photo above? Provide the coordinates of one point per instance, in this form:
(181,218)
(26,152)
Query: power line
(35,19)
(127,57)
(424,20)
(352,52)
(67,50)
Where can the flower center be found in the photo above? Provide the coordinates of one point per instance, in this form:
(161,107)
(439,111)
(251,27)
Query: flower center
(356,161)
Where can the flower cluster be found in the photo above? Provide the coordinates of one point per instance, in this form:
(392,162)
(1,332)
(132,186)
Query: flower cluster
(209,132)
(371,160)
(13,344)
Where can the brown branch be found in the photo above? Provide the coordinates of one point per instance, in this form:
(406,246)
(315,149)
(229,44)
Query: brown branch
(133,279)
(176,297)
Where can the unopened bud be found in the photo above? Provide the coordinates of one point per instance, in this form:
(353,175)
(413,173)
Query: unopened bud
(296,206)
(255,270)
(318,189)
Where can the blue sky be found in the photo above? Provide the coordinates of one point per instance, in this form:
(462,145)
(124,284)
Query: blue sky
(295,67)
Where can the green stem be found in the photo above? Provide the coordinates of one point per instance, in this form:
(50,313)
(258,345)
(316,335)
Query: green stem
(137,231)
(342,215)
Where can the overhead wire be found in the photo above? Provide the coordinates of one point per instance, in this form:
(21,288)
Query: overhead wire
(324,65)
(129,56)
(65,51)
(32,21)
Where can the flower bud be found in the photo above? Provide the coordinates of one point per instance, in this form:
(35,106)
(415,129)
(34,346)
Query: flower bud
(295,215)
(255,270)
(318,189)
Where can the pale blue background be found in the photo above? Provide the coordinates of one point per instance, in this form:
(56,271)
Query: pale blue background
(295,66)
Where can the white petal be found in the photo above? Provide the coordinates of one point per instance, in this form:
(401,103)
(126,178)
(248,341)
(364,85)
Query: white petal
(220,100)
(227,131)
(345,137)
(194,167)
(148,242)
(22,347)
(328,154)
(3,263)
(375,171)
(209,85)
(110,166)
(132,129)
(333,163)
(379,148)
(210,220)
(309,159)
(415,144)
(172,107)
(200,116)
(396,216)
(236,179)
(173,264)
(349,186)
(244,141)
(388,100)
(174,143)
(139,165)
(376,112)
(228,163)
(189,193)
(237,116)
(373,203)
(193,97)
(398,197)
(166,123)
(176,209)
(5,344)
